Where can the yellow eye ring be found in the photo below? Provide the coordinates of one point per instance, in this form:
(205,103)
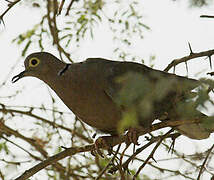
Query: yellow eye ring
(33,62)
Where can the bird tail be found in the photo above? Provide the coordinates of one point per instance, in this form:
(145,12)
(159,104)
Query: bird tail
(196,130)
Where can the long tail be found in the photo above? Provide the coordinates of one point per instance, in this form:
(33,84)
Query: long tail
(195,131)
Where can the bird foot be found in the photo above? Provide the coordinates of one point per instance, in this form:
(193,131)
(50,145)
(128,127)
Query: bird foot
(102,142)
(132,136)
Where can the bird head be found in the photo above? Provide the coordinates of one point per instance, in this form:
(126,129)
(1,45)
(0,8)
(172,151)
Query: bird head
(36,65)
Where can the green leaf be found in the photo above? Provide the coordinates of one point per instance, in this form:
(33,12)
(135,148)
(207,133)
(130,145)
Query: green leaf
(143,25)
(127,25)
(26,48)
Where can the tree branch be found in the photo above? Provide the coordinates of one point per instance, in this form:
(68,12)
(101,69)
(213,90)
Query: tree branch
(152,153)
(205,160)
(7,130)
(69,7)
(51,16)
(192,55)
(111,141)
(4,109)
(10,5)
(30,154)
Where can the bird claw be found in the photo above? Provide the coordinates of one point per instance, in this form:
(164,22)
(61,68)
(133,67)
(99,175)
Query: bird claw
(132,136)
(97,151)
(102,142)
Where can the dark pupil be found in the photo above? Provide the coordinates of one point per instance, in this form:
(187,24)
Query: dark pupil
(34,62)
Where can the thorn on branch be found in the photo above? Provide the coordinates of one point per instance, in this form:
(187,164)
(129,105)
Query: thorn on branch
(186,67)
(94,135)
(206,16)
(190,48)
(153,159)
(30,110)
(210,73)
(69,7)
(172,146)
(9,3)
(63,147)
(2,20)
(210,61)
(60,7)
(192,55)
(35,5)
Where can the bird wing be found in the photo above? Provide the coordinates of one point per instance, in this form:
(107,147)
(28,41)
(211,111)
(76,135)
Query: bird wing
(136,80)
(113,76)
(137,77)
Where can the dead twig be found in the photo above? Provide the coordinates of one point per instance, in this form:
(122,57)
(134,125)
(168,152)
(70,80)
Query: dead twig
(138,151)
(7,130)
(111,141)
(205,160)
(192,55)
(10,5)
(53,124)
(52,8)
(69,7)
(110,162)
(152,153)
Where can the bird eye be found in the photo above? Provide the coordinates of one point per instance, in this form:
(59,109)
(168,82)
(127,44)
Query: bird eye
(33,62)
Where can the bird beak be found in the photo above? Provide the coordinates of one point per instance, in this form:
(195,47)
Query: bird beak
(19,76)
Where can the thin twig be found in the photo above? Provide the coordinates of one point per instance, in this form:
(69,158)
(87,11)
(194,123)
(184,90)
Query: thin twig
(10,5)
(69,7)
(53,159)
(110,162)
(133,156)
(112,141)
(206,16)
(152,153)
(53,26)
(205,160)
(8,130)
(61,6)
(53,124)
(187,58)
(30,154)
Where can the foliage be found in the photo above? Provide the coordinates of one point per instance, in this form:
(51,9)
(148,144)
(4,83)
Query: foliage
(124,21)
